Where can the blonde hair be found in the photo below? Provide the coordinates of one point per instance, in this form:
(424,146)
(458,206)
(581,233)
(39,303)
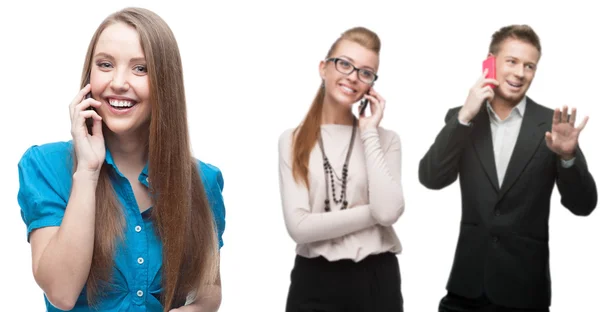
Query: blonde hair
(306,135)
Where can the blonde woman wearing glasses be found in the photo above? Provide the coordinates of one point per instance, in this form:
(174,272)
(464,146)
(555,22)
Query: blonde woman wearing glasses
(341,191)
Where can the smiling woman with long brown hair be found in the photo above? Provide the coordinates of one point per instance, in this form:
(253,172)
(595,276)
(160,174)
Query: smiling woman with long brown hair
(123,217)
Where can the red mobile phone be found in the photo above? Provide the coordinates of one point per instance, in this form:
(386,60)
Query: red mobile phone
(490,65)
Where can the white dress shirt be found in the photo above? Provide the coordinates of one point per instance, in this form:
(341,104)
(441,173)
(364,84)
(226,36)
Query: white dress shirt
(504,136)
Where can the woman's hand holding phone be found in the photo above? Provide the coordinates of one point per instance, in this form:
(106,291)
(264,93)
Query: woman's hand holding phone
(89,148)
(377,106)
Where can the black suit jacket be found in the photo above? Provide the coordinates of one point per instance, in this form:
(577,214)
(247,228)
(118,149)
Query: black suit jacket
(502,247)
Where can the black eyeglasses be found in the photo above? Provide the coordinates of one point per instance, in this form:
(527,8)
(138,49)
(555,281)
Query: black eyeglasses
(347,68)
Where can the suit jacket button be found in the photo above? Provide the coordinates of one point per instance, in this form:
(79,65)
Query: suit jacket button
(495,239)
(497,212)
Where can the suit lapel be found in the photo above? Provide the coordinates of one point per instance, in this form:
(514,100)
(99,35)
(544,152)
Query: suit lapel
(483,143)
(530,136)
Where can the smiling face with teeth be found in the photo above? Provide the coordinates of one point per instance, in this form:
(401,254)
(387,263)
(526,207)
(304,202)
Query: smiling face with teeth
(344,90)
(119,80)
(516,64)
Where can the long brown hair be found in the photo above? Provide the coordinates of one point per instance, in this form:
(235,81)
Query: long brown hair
(181,214)
(306,135)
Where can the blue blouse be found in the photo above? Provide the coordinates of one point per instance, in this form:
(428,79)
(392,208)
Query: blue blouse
(45,178)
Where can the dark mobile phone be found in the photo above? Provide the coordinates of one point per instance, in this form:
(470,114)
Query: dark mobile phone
(89,122)
(87,81)
(363,106)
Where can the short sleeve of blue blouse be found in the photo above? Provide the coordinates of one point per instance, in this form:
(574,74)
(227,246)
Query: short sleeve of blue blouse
(45,179)
(212,178)
(44,185)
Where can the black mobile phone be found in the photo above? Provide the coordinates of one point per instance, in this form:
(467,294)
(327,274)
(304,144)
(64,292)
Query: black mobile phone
(363,106)
(89,122)
(87,81)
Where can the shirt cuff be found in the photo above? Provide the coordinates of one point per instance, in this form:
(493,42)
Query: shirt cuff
(365,134)
(567,163)
(463,123)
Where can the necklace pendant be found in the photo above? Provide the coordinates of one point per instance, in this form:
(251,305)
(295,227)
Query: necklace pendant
(330,173)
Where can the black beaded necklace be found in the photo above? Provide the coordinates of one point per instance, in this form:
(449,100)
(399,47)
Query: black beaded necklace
(330,173)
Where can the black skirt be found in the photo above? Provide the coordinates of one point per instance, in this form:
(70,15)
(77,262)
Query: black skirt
(371,285)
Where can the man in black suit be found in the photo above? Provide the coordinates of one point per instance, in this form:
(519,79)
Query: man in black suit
(508,152)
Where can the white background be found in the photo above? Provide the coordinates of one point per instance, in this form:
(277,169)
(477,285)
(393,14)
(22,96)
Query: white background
(250,71)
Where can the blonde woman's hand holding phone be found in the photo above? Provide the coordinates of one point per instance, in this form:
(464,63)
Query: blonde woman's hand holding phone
(89,148)
(377,106)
